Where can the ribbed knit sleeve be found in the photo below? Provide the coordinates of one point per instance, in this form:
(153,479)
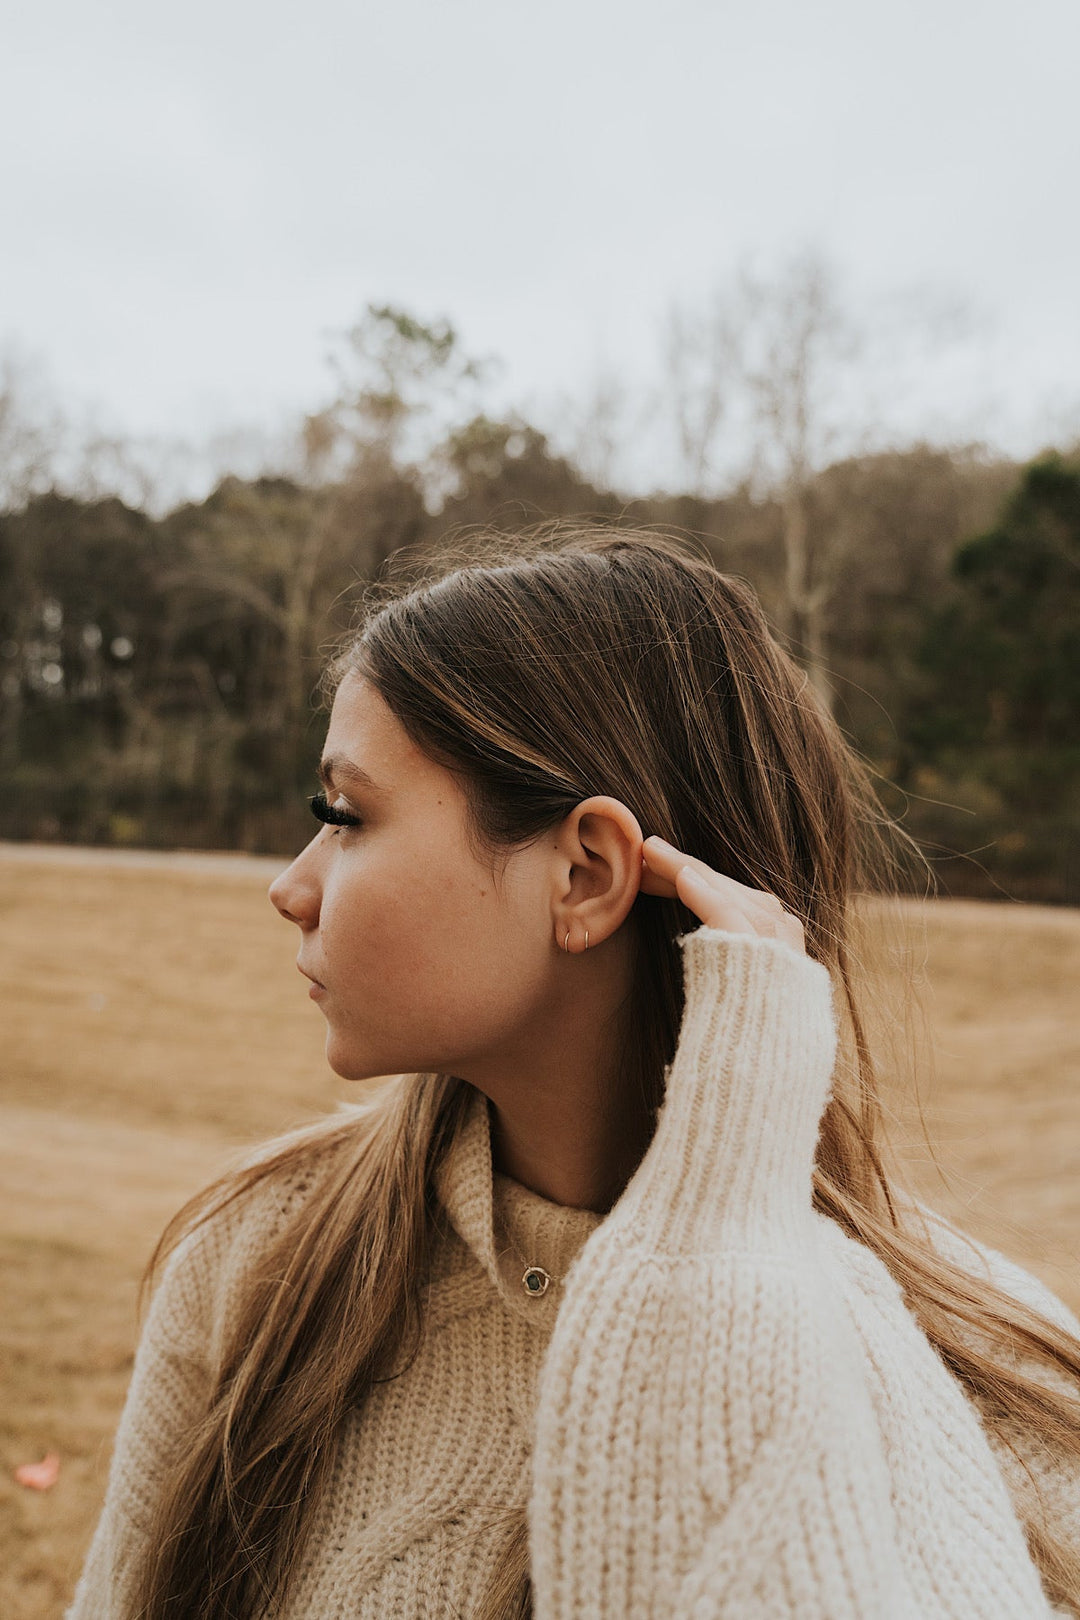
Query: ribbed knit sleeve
(706,1442)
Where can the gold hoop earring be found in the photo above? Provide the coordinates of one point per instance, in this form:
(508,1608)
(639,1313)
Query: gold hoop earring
(566,941)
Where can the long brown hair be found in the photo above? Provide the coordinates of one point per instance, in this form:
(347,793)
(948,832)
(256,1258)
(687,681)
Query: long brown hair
(543,668)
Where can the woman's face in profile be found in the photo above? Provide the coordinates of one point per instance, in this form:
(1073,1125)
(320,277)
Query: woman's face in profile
(419,963)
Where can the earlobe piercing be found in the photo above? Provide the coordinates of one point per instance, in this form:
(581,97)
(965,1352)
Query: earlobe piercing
(566,941)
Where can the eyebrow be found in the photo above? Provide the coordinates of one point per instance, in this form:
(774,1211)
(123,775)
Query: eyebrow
(336,768)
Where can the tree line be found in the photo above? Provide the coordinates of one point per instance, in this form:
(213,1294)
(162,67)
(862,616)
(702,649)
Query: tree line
(157,670)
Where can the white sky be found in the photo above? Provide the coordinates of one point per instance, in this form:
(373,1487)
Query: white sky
(195,197)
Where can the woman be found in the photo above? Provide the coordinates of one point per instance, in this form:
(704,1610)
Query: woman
(605,1304)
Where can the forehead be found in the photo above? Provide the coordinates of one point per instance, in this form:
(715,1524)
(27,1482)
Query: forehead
(364,731)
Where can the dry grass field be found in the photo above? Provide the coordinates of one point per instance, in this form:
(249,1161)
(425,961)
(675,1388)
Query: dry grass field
(153,1021)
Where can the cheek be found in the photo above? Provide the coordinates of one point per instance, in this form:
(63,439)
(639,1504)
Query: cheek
(413,948)
(363,929)
(386,941)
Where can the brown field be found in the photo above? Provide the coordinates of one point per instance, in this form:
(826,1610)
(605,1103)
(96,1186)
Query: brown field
(153,1021)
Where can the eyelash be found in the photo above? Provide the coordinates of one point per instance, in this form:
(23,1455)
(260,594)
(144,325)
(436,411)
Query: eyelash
(329,813)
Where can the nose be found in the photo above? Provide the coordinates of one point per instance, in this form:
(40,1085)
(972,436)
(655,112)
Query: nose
(296,891)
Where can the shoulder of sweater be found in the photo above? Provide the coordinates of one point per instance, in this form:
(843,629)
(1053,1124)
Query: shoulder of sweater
(978,1258)
(949,1241)
(868,1280)
(215,1256)
(1043,1476)
(263,1191)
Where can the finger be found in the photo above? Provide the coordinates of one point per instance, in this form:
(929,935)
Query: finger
(723,886)
(716,908)
(664,861)
(773,901)
(723,906)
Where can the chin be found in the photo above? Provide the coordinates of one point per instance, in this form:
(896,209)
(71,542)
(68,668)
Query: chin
(350,1070)
(352,1065)
(346,1064)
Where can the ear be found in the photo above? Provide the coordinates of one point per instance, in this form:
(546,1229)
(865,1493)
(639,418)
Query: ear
(600,867)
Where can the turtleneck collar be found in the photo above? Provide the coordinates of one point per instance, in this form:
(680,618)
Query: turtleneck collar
(508,1226)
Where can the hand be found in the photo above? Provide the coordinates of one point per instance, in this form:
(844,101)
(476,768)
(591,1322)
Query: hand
(719,901)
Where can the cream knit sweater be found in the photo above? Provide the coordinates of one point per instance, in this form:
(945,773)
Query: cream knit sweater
(725,1410)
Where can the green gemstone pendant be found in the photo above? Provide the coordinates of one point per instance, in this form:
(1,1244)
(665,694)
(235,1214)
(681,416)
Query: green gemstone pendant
(536,1281)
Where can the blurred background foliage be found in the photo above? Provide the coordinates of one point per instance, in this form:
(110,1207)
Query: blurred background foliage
(158,668)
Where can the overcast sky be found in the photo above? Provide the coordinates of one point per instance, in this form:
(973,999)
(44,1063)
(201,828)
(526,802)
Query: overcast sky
(196,196)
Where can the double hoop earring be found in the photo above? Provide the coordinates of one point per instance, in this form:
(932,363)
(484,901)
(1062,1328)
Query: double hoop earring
(566,941)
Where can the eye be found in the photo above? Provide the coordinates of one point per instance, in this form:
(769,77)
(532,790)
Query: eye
(331,814)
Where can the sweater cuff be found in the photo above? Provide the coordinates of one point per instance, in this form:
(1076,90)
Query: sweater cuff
(731,1161)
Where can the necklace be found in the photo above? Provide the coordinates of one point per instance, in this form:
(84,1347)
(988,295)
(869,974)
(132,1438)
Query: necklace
(535,1281)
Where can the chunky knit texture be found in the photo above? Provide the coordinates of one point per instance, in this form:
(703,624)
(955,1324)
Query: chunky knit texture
(724,1410)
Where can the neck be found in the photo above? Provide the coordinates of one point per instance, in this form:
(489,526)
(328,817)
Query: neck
(583,1162)
(562,1123)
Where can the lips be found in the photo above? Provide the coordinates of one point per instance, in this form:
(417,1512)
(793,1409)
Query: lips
(310,976)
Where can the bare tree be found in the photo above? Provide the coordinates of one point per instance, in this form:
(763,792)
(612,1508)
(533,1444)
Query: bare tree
(401,384)
(597,430)
(700,366)
(31,431)
(800,351)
